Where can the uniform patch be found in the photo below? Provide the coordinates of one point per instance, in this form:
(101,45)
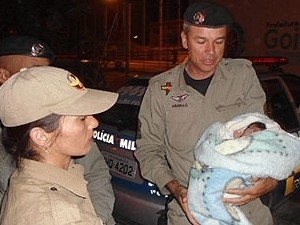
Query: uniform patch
(180,105)
(180,99)
(167,87)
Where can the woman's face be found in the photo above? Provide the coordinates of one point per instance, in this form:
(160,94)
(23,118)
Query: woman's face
(75,136)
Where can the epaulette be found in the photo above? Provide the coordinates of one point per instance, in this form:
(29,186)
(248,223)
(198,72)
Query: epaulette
(162,77)
(237,62)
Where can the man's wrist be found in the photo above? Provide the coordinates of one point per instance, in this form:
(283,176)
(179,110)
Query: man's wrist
(172,186)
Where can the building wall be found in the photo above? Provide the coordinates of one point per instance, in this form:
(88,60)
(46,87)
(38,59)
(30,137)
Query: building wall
(268,28)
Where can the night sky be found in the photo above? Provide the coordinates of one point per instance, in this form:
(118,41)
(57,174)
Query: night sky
(69,23)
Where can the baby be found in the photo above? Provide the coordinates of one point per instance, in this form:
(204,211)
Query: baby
(252,127)
(229,156)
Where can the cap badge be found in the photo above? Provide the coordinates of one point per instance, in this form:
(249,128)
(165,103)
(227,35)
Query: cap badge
(198,18)
(37,50)
(75,82)
(167,87)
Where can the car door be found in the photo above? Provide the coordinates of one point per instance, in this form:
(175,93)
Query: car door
(281,104)
(283,100)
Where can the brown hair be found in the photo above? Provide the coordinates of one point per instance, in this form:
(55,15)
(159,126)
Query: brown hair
(16,140)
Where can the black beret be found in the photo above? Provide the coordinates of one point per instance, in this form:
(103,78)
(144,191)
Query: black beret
(207,14)
(25,45)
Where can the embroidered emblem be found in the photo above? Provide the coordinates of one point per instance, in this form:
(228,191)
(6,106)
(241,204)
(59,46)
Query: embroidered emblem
(37,50)
(180,98)
(198,18)
(75,82)
(167,87)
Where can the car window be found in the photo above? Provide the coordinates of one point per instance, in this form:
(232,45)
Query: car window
(279,106)
(131,95)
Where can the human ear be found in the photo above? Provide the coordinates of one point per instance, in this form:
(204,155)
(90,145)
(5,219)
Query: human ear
(184,40)
(39,136)
(4,75)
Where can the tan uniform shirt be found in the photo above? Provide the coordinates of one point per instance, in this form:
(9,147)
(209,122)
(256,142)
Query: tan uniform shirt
(40,193)
(99,185)
(173,116)
(96,172)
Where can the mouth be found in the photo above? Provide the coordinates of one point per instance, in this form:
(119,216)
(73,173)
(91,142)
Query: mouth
(209,62)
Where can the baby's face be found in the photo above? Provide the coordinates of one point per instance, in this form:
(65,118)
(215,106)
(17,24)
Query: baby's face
(251,129)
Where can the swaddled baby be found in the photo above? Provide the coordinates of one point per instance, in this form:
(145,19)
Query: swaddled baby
(229,156)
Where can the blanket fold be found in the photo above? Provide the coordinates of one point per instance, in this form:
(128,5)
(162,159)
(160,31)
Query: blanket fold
(223,162)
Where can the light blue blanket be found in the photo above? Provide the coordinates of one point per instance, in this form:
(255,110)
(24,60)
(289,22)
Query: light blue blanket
(223,162)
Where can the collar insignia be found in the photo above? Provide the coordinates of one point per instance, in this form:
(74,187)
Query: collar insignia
(75,82)
(167,87)
(180,98)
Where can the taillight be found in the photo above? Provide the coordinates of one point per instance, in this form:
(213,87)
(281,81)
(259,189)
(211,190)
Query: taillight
(268,60)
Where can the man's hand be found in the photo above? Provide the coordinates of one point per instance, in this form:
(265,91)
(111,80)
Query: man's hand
(261,187)
(180,194)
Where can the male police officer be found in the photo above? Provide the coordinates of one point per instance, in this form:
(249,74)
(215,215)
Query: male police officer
(181,103)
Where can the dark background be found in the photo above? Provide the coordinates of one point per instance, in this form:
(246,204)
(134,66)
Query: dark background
(78,26)
(124,35)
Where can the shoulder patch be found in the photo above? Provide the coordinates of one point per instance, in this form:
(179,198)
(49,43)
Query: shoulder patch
(240,62)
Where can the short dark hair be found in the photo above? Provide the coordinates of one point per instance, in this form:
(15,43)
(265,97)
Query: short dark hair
(258,124)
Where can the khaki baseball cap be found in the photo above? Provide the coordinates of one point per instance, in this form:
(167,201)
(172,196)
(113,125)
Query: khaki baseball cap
(37,92)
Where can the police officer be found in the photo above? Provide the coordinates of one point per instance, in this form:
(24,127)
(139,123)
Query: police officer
(181,103)
(22,51)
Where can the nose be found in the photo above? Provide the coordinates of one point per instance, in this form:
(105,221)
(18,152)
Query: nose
(210,47)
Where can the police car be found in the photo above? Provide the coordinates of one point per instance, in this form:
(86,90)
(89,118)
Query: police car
(138,201)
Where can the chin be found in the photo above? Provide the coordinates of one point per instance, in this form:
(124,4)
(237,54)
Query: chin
(209,69)
(84,152)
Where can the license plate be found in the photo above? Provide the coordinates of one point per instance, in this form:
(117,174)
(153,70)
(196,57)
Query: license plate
(121,166)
